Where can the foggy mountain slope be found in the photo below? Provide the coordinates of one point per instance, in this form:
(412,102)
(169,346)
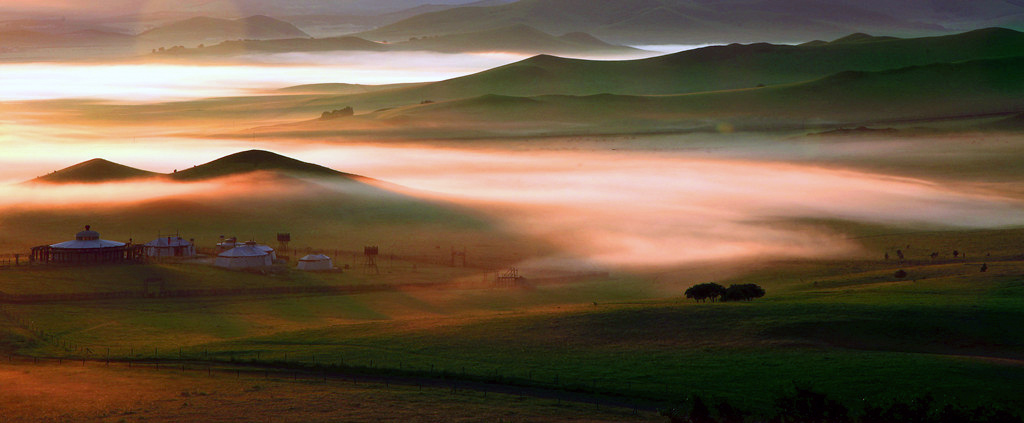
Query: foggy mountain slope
(937,91)
(709,69)
(288,45)
(681,21)
(206,29)
(514,39)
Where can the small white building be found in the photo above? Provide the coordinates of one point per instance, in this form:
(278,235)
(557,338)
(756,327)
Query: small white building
(244,257)
(315,262)
(170,246)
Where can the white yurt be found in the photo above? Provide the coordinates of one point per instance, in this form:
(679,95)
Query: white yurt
(170,246)
(243,257)
(86,248)
(315,262)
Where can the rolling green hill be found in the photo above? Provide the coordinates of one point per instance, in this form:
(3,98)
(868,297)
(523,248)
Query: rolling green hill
(928,92)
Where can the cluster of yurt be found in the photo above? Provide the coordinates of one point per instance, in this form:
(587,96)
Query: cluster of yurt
(88,248)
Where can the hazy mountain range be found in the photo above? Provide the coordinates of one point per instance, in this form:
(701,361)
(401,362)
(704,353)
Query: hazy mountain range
(704,21)
(516,38)
(634,22)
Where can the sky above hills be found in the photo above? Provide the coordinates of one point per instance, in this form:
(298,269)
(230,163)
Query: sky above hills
(633,22)
(219,7)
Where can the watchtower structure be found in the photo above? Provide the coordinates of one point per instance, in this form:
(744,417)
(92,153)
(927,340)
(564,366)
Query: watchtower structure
(510,277)
(371,254)
(283,238)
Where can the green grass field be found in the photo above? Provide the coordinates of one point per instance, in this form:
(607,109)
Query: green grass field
(847,328)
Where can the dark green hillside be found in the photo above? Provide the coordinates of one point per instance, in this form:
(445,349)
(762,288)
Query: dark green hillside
(734,66)
(716,68)
(95,170)
(919,93)
(255,160)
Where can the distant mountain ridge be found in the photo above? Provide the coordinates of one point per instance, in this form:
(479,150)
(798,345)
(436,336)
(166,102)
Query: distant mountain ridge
(702,21)
(512,39)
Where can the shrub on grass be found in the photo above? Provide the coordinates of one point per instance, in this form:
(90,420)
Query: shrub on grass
(705,291)
(743,292)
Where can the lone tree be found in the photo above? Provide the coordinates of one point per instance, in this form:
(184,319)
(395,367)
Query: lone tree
(743,292)
(705,291)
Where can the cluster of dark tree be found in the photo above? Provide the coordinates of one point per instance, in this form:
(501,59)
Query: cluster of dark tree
(715,292)
(339,113)
(804,405)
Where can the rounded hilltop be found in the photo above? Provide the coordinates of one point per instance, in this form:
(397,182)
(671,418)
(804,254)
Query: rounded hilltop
(94,171)
(252,161)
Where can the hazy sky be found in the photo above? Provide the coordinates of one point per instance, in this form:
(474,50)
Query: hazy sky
(220,7)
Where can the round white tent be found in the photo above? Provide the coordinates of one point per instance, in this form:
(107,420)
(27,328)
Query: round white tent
(170,246)
(245,256)
(86,248)
(315,262)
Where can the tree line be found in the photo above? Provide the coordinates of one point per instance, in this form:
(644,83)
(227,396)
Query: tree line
(714,292)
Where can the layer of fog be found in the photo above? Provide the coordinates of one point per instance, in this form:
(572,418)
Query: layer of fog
(151,82)
(630,207)
(653,208)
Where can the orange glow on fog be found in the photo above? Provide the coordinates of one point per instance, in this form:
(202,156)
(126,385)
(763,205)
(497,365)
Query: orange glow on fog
(609,207)
(645,208)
